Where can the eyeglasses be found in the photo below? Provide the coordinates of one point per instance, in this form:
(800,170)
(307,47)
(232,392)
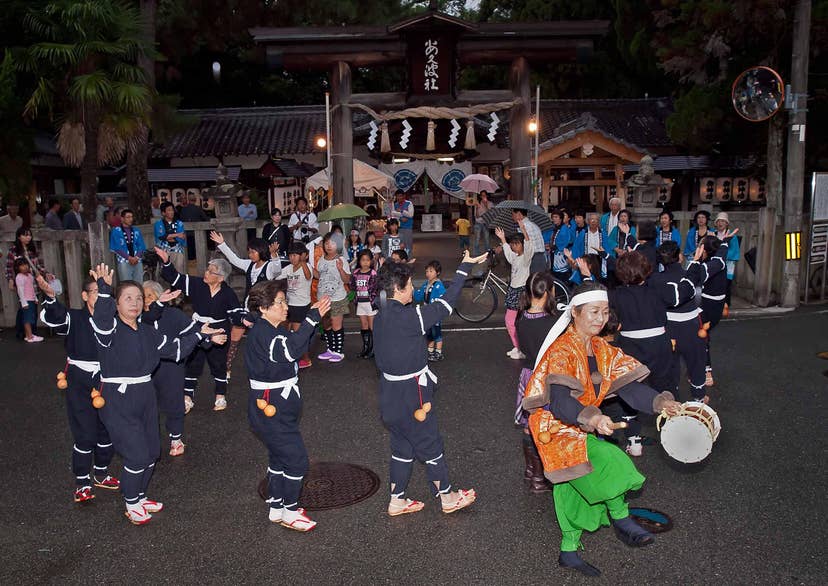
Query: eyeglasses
(280,302)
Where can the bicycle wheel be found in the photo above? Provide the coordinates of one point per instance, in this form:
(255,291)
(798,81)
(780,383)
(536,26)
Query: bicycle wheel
(562,294)
(477,301)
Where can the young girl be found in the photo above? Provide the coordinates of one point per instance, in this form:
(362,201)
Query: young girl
(429,292)
(392,241)
(299,278)
(274,403)
(24,283)
(364,283)
(262,264)
(375,249)
(518,253)
(354,248)
(537,316)
(333,272)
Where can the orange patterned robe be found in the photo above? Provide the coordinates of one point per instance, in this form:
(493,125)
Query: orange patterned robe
(565,363)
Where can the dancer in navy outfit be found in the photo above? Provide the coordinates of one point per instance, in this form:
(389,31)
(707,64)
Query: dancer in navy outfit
(407,386)
(274,403)
(129,352)
(92,451)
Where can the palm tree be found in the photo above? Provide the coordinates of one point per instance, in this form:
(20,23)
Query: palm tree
(87,77)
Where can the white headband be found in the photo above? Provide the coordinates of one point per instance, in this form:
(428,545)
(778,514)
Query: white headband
(566,317)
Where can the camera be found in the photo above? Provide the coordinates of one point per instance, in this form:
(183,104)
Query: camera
(150,259)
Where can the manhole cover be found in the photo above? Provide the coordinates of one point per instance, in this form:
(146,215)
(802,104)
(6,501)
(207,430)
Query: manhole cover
(331,485)
(652,520)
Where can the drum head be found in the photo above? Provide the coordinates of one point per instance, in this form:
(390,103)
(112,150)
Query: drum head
(686,439)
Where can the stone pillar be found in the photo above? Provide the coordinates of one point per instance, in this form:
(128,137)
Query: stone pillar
(342,140)
(520,143)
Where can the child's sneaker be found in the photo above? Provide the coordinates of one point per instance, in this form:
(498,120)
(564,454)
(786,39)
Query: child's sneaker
(336,357)
(326,355)
(436,357)
(220,404)
(305,363)
(431,357)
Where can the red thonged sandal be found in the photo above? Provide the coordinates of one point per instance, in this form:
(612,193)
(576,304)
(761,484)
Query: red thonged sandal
(411,506)
(465,498)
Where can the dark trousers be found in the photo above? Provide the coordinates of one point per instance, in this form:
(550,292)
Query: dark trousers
(538,263)
(169,387)
(191,247)
(132,420)
(216,358)
(287,456)
(711,312)
(691,349)
(93,451)
(656,354)
(412,439)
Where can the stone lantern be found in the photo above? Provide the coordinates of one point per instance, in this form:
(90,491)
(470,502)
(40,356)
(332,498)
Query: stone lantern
(224,195)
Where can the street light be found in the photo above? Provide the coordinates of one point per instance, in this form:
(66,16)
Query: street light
(532,126)
(321,142)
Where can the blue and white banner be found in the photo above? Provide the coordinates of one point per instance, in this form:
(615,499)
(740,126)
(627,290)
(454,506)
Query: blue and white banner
(445,176)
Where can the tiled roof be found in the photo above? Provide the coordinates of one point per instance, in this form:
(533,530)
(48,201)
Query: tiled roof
(247,131)
(189,174)
(639,122)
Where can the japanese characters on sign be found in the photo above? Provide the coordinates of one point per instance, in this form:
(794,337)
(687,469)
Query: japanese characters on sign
(432,69)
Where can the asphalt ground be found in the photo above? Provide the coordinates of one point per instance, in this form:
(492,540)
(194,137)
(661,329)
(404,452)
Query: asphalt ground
(752,513)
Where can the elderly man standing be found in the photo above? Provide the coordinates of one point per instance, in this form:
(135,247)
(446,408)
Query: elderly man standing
(249,213)
(403,211)
(73,220)
(534,233)
(481,230)
(11,221)
(610,219)
(128,246)
(214,303)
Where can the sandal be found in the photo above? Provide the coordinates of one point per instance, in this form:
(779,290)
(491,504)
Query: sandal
(708,379)
(411,506)
(301,523)
(466,498)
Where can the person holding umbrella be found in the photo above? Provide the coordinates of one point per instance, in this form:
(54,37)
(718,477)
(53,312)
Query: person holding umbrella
(528,227)
(481,228)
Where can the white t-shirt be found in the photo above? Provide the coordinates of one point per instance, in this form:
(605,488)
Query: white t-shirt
(330,281)
(593,241)
(298,287)
(308,218)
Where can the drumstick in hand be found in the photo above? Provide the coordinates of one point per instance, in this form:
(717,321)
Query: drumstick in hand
(619,425)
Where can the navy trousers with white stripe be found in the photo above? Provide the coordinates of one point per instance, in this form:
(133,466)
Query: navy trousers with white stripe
(93,449)
(169,385)
(132,420)
(287,456)
(412,439)
(216,357)
(694,352)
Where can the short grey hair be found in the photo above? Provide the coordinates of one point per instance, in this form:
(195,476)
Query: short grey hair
(222,267)
(618,199)
(154,286)
(593,215)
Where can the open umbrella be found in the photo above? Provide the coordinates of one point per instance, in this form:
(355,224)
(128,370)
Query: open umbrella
(341,211)
(500,216)
(477,182)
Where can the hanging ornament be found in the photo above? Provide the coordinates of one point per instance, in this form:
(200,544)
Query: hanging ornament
(430,135)
(372,136)
(406,133)
(385,141)
(471,142)
(455,132)
(493,127)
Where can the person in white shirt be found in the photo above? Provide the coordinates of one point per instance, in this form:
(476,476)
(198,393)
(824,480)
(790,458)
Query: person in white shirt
(303,223)
(533,233)
(610,219)
(518,250)
(11,221)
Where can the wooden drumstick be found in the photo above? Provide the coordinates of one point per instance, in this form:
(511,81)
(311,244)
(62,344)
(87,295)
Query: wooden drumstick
(619,425)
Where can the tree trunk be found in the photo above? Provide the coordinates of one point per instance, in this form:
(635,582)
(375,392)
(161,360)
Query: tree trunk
(89,166)
(138,193)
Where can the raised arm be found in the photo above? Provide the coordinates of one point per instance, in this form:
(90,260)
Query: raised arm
(434,312)
(103,319)
(234,260)
(53,314)
(290,346)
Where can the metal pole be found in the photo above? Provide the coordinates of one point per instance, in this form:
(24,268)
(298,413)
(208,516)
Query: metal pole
(795,172)
(328,131)
(537,141)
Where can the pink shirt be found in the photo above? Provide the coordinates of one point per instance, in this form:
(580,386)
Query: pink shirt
(25,288)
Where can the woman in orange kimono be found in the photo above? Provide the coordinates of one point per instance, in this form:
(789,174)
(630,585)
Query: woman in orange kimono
(575,371)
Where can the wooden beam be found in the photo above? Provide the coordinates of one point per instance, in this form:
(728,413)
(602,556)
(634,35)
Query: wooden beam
(572,162)
(342,139)
(597,139)
(520,145)
(467,97)
(581,182)
(384,101)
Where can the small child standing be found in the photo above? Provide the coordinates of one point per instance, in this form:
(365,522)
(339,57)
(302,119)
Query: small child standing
(364,284)
(429,292)
(518,252)
(24,283)
(299,278)
(333,272)
(392,240)
(463,231)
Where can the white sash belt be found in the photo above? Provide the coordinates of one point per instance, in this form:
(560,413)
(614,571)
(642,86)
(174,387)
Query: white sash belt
(422,376)
(124,381)
(713,297)
(683,316)
(89,366)
(287,386)
(641,334)
(207,320)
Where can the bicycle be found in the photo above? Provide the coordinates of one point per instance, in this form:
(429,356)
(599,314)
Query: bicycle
(479,297)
